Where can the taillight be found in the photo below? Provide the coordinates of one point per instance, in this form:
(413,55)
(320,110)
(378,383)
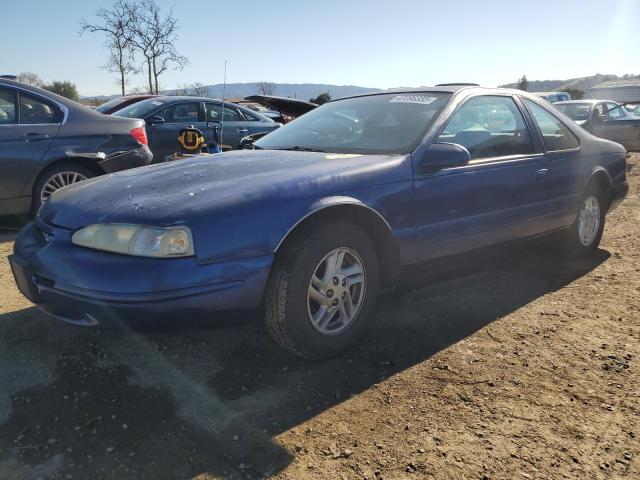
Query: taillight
(140,135)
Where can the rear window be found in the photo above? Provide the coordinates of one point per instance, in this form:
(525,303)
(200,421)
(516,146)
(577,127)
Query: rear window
(36,110)
(555,134)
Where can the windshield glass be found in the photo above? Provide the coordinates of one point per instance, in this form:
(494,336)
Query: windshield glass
(387,124)
(575,111)
(140,109)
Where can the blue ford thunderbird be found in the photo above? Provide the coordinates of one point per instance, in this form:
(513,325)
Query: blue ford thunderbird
(322,214)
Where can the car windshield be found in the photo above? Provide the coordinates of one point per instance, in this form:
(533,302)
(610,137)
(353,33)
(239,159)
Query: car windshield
(140,109)
(386,124)
(575,111)
(108,105)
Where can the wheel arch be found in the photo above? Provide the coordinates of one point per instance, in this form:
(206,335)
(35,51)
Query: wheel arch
(600,177)
(352,210)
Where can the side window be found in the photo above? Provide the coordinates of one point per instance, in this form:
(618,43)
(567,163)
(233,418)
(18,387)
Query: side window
(216,113)
(489,126)
(34,110)
(555,135)
(249,117)
(7,107)
(552,98)
(181,113)
(615,111)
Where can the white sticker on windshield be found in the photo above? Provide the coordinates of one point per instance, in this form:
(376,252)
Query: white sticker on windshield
(156,102)
(424,99)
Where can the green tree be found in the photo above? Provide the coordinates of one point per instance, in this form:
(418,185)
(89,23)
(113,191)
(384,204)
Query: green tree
(320,99)
(523,83)
(64,88)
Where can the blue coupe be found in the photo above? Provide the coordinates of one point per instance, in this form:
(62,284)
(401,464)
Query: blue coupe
(322,214)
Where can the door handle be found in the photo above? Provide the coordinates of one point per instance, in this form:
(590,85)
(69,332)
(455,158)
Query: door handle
(35,137)
(540,174)
(242,130)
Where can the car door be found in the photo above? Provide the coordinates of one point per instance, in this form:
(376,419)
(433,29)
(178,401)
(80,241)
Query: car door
(562,151)
(163,136)
(234,125)
(500,195)
(623,127)
(28,125)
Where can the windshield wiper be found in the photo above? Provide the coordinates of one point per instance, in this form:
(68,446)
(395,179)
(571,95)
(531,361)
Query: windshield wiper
(301,149)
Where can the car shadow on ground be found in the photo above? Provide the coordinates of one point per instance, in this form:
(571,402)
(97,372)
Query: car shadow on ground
(188,401)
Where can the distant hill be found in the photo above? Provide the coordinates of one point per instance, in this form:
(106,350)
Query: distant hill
(581,83)
(303,91)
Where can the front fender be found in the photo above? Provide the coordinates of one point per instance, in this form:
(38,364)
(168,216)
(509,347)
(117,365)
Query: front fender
(254,230)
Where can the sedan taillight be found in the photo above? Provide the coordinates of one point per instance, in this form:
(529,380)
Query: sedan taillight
(140,135)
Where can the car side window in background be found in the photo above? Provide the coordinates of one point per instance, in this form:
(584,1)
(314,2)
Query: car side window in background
(216,113)
(555,135)
(181,113)
(7,107)
(249,117)
(34,110)
(489,126)
(615,111)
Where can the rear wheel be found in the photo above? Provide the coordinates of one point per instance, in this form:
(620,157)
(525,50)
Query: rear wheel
(56,177)
(583,237)
(322,290)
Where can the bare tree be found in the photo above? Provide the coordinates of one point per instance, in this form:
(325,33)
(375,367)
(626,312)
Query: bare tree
(30,78)
(266,88)
(117,25)
(182,90)
(199,90)
(154,36)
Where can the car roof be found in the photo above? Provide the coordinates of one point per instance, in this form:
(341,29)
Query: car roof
(445,89)
(548,93)
(591,101)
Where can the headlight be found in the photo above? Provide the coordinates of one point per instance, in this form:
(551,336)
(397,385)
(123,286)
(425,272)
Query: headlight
(136,240)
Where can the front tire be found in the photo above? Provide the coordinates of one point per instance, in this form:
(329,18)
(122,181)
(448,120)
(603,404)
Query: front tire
(584,235)
(322,290)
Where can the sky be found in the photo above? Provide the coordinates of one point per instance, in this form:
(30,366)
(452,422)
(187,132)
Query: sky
(370,43)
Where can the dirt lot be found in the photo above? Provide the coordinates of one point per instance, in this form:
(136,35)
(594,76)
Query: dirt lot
(517,365)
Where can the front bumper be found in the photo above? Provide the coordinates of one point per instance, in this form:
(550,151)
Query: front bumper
(138,157)
(88,287)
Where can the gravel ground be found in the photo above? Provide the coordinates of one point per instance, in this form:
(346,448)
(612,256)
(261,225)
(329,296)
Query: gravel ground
(516,364)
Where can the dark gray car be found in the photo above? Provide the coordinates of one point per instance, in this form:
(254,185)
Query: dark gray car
(167,116)
(48,142)
(605,119)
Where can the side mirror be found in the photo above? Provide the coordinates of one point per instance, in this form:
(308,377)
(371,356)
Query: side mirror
(444,155)
(155,120)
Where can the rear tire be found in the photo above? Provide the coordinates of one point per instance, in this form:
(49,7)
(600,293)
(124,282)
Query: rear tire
(583,237)
(56,177)
(322,290)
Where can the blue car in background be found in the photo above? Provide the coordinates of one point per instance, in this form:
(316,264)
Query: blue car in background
(322,214)
(167,116)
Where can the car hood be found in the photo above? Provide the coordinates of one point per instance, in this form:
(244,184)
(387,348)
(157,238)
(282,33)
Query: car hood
(175,192)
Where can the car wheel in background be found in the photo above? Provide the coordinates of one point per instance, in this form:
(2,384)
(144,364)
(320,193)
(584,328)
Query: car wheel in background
(584,235)
(322,290)
(56,177)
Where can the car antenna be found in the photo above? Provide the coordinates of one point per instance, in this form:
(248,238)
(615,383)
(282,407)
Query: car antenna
(224,86)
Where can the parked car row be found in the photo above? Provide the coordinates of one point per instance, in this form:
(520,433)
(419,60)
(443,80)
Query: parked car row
(605,119)
(322,215)
(48,142)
